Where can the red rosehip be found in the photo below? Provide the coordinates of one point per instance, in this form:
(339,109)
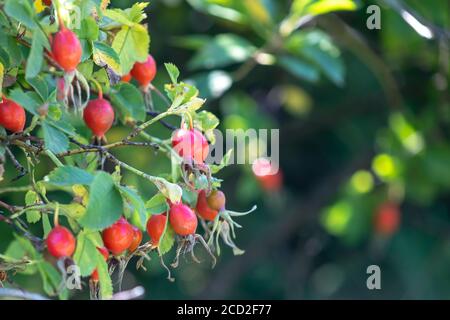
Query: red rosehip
(203,208)
(190,144)
(270,179)
(66,49)
(144,72)
(182,219)
(126,78)
(60,242)
(105,254)
(48,3)
(387,218)
(118,237)
(137,238)
(216,200)
(12,116)
(99,116)
(155,227)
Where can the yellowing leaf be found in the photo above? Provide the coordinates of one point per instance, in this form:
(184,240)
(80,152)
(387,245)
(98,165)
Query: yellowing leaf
(39,6)
(131,44)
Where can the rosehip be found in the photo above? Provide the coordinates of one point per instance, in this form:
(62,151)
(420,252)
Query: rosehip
(203,208)
(144,72)
(137,238)
(269,179)
(60,242)
(105,253)
(66,49)
(118,237)
(48,3)
(155,227)
(216,200)
(182,219)
(99,116)
(387,219)
(190,144)
(126,78)
(12,116)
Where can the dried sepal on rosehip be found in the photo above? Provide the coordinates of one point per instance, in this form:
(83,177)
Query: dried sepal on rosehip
(217,220)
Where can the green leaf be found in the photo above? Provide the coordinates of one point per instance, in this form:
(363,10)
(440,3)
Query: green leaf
(170,190)
(222,51)
(54,139)
(131,44)
(100,213)
(317,47)
(223,163)
(225,11)
(173,71)
(40,86)
(25,100)
(190,197)
(36,56)
(31,198)
(129,101)
(69,176)
(167,240)
(157,204)
(304,8)
(326,6)
(105,55)
(22,11)
(299,68)
(86,69)
(89,29)
(106,288)
(135,200)
(46,225)
(21,248)
(212,84)
(205,120)
(85,255)
(136,12)
(51,278)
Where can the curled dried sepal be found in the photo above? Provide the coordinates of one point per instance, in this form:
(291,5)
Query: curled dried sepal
(187,244)
(223,227)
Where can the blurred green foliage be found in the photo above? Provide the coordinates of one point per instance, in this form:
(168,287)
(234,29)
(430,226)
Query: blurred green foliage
(372,105)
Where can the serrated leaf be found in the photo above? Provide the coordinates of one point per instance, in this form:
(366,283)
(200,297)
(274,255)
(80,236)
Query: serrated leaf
(167,240)
(131,44)
(173,71)
(85,255)
(54,139)
(206,120)
(105,55)
(40,86)
(157,204)
(89,29)
(128,99)
(106,287)
(100,213)
(36,56)
(68,176)
(135,200)
(25,100)
(22,11)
